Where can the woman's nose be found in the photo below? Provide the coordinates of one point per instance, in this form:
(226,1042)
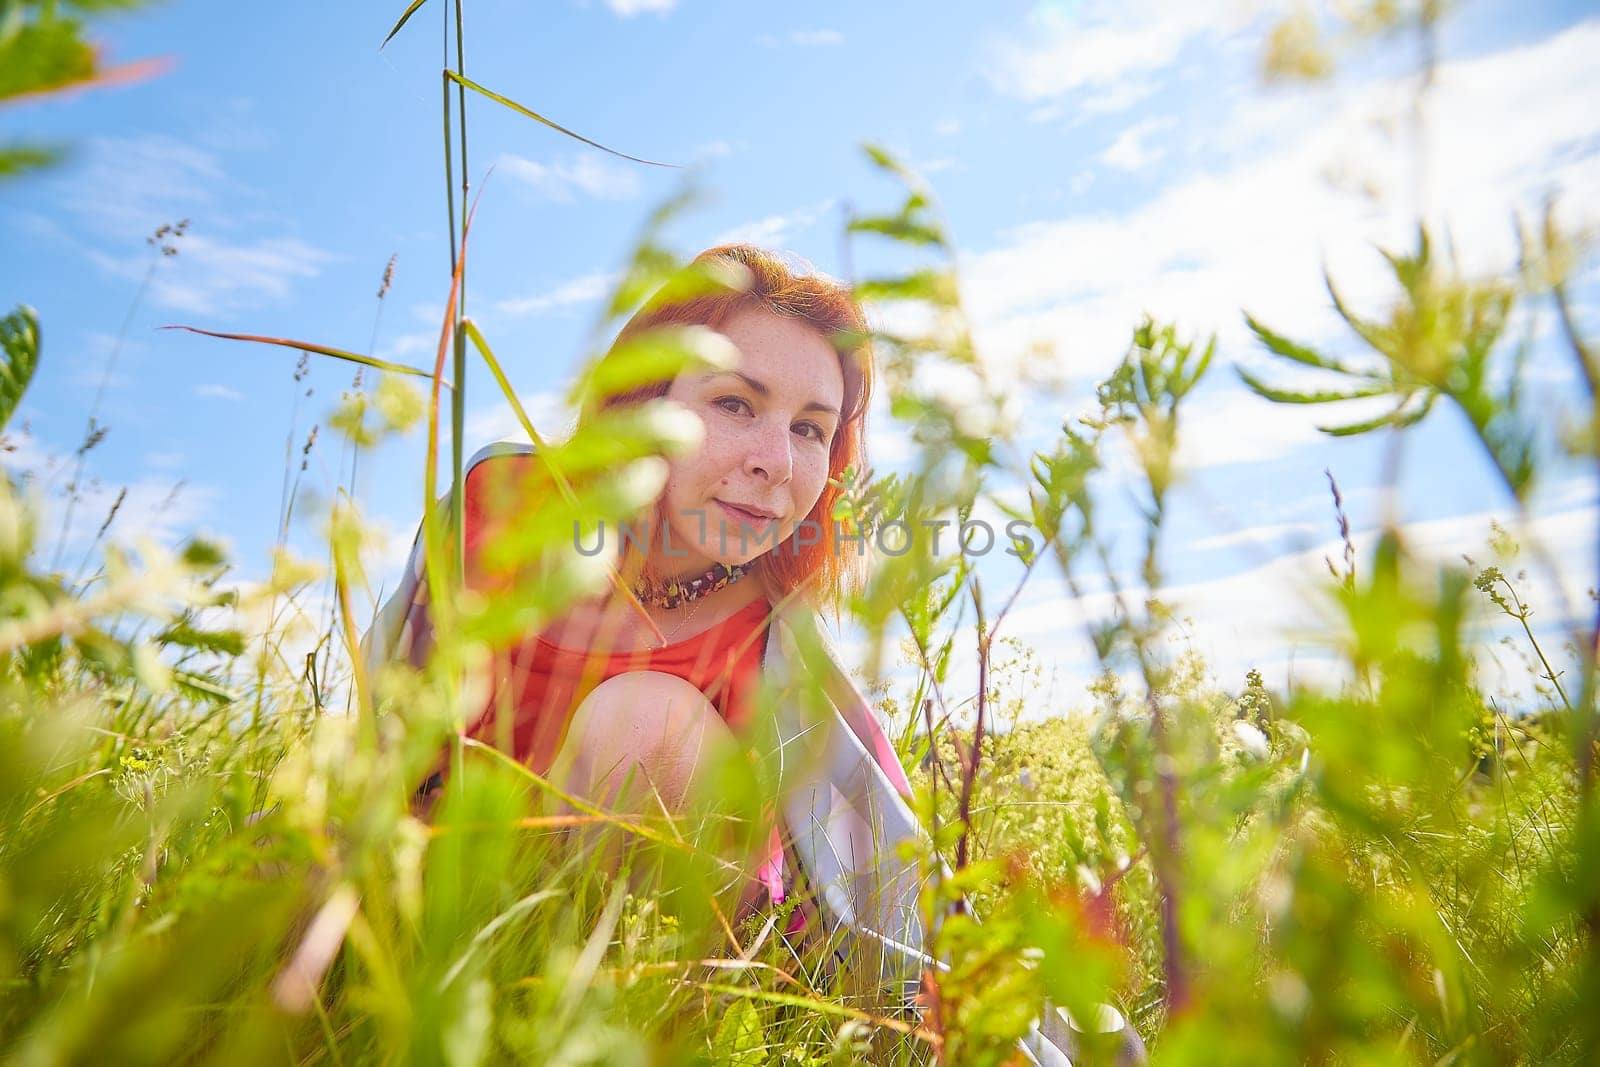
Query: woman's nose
(768,454)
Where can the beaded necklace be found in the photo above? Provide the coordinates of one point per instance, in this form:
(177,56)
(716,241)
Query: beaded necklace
(677,592)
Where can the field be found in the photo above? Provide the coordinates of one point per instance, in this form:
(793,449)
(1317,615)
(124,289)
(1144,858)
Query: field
(209,849)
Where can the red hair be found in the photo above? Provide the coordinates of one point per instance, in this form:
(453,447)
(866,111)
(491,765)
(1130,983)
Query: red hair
(831,309)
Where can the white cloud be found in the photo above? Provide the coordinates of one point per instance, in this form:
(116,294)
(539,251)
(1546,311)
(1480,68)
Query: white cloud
(124,187)
(398,348)
(497,422)
(629,8)
(713,150)
(161,509)
(218,392)
(212,275)
(1104,46)
(164,460)
(591,175)
(1268,537)
(947,127)
(1277,616)
(774,231)
(1257,232)
(1131,151)
(580,290)
(1232,425)
(1117,98)
(816,38)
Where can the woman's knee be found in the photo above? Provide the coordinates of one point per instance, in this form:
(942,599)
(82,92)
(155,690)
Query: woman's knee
(653,728)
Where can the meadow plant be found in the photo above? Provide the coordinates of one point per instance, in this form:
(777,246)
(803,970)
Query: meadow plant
(205,856)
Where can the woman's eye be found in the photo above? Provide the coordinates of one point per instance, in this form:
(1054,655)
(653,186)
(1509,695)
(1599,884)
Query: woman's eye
(731,404)
(812,429)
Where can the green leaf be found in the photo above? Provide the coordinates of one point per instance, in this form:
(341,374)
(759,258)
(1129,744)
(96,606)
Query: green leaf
(519,109)
(900,227)
(99,6)
(227,642)
(932,286)
(1325,396)
(206,688)
(654,356)
(411,10)
(1378,338)
(624,434)
(740,1039)
(19,157)
(1398,418)
(476,337)
(1280,345)
(882,158)
(44,56)
(19,341)
(320,350)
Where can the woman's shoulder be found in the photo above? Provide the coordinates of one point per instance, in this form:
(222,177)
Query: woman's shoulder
(500,487)
(492,463)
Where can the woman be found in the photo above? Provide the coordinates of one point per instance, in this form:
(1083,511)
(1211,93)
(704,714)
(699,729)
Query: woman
(740,550)
(643,685)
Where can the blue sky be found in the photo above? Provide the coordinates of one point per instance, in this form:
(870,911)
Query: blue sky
(1094,161)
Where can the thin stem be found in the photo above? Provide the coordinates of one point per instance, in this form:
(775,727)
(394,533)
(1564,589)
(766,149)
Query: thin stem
(1590,643)
(969,773)
(458,400)
(1175,967)
(1521,615)
(74,486)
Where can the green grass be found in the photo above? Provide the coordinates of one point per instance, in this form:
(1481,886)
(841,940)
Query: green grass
(208,851)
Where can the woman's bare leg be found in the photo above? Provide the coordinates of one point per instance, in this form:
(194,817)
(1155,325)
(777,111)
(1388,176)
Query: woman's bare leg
(650,743)
(647,730)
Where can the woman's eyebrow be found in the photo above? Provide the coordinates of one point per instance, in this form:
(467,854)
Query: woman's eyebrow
(758,387)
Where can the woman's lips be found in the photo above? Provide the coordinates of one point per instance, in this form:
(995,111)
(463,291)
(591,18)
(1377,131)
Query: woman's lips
(746,517)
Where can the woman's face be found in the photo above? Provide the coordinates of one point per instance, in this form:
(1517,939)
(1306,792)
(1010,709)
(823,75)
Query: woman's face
(769,428)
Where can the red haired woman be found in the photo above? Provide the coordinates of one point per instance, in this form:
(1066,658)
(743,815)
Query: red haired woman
(740,552)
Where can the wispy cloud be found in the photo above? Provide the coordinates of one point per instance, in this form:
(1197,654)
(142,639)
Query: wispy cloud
(126,186)
(1257,232)
(407,344)
(497,422)
(1132,150)
(1278,615)
(162,509)
(712,150)
(821,38)
(580,290)
(774,231)
(215,391)
(629,8)
(586,175)
(213,275)
(1101,47)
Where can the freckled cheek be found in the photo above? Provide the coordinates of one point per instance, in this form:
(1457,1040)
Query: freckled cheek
(703,466)
(809,481)
(716,454)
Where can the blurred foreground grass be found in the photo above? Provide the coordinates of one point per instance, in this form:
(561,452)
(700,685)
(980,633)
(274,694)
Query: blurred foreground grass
(208,850)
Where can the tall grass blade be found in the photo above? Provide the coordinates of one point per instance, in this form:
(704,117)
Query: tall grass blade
(519,109)
(482,345)
(320,350)
(412,10)
(563,484)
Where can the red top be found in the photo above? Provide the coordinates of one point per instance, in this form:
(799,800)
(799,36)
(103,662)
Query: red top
(541,683)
